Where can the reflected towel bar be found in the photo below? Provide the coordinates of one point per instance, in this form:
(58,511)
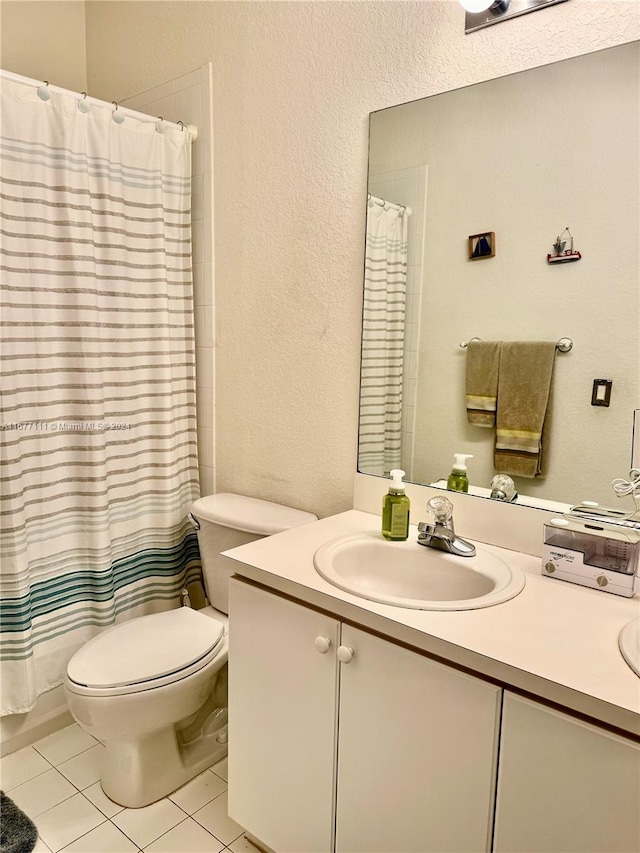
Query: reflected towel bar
(563,345)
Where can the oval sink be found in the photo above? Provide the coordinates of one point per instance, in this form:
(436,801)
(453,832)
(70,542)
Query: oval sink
(629,642)
(405,574)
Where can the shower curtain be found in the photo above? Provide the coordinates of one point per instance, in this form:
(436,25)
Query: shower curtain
(383,322)
(98,435)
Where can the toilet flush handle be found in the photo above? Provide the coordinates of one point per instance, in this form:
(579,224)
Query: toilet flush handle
(322,644)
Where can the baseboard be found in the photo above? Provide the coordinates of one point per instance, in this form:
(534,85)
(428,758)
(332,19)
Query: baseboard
(50,714)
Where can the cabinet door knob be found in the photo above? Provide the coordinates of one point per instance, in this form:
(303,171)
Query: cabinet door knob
(323,644)
(345,654)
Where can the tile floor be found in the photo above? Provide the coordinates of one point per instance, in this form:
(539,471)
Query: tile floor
(56,782)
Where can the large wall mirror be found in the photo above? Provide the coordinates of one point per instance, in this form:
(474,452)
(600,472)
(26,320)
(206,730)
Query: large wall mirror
(517,159)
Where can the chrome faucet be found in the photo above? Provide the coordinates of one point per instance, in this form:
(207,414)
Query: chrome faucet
(441,533)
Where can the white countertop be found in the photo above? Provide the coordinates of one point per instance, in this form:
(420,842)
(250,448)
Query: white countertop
(555,640)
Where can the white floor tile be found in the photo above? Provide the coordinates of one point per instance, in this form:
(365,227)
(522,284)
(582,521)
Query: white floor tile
(221,769)
(200,791)
(186,837)
(215,819)
(68,821)
(84,769)
(42,793)
(41,847)
(99,798)
(21,766)
(106,838)
(64,744)
(144,825)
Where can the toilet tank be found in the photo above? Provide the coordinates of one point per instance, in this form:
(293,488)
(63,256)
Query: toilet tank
(225,521)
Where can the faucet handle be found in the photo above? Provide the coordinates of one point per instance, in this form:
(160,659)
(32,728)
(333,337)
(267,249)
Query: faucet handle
(441,509)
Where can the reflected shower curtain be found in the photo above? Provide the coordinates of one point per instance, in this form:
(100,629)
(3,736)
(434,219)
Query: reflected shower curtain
(98,438)
(383,322)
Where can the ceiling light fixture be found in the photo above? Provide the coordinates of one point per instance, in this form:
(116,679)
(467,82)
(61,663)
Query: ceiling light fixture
(484,13)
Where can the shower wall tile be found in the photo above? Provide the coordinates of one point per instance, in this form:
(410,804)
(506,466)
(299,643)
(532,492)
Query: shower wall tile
(158,92)
(207,480)
(197,196)
(198,285)
(189,103)
(197,239)
(193,78)
(164,107)
(205,442)
(204,368)
(207,271)
(204,407)
(189,99)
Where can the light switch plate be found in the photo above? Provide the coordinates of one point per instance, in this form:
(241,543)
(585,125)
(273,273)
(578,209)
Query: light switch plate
(601,394)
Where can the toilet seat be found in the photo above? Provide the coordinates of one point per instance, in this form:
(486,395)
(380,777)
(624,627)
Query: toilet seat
(146,653)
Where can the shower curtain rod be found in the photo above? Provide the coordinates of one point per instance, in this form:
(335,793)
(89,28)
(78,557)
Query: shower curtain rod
(381,202)
(82,96)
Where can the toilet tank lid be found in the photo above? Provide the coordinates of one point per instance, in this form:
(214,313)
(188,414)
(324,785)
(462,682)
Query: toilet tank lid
(251,515)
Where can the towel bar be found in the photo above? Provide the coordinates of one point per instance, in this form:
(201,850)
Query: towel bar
(563,345)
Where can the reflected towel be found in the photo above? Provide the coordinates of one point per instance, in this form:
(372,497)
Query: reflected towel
(524,385)
(483,360)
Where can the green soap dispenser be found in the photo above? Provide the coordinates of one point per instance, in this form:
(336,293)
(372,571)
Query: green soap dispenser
(458,480)
(395,510)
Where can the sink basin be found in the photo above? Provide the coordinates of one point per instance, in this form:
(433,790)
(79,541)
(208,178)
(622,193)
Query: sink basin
(405,574)
(629,642)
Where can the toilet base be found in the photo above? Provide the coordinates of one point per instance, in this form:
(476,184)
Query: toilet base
(138,773)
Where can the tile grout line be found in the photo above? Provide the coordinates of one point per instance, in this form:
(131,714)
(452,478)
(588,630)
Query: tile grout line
(140,849)
(105,819)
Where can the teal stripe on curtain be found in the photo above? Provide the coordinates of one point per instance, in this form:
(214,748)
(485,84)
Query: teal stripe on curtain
(175,563)
(98,456)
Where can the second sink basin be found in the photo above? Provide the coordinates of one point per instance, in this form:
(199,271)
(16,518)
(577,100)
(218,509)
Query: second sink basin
(405,574)
(629,642)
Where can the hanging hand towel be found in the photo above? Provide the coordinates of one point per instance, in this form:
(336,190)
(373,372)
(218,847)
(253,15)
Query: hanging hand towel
(483,360)
(524,383)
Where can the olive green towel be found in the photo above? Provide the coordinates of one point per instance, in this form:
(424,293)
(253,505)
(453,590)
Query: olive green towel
(483,361)
(524,386)
(18,833)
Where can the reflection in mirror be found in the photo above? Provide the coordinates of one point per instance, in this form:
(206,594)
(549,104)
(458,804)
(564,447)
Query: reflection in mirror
(501,169)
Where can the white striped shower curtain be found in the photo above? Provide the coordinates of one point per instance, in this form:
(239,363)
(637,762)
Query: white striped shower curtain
(98,434)
(383,323)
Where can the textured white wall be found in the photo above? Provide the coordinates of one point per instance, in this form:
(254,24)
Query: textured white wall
(293,84)
(44,39)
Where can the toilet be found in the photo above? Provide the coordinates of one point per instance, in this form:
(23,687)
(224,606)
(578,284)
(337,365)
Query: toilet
(154,689)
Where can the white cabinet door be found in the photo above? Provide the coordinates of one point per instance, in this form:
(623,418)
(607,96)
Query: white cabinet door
(564,785)
(417,753)
(282,715)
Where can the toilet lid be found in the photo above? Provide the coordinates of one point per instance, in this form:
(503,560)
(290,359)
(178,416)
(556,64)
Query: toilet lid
(145,648)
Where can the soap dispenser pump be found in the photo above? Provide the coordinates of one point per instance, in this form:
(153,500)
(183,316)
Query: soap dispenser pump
(458,480)
(395,510)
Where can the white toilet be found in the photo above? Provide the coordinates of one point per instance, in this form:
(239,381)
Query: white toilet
(154,689)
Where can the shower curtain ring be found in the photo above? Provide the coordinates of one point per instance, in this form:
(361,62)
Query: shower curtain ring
(160,125)
(181,123)
(115,115)
(43,92)
(83,106)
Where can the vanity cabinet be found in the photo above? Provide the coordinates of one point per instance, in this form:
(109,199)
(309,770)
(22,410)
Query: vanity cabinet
(564,784)
(341,740)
